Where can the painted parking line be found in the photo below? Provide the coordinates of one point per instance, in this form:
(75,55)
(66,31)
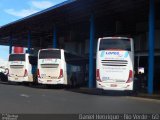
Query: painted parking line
(24,95)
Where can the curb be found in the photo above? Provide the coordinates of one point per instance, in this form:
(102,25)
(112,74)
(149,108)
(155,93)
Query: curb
(156,97)
(95,91)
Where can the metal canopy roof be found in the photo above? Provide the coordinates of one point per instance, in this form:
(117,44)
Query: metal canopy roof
(70,14)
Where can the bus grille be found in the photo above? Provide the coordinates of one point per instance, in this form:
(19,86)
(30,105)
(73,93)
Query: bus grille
(49,65)
(16,66)
(114,62)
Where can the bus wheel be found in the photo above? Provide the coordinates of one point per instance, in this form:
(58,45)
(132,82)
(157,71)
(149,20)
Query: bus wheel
(24,83)
(9,82)
(3,77)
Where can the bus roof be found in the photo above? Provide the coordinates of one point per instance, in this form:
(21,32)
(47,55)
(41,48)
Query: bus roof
(115,38)
(50,49)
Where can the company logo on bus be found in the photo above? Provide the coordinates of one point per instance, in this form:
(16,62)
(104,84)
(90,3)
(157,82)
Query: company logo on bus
(112,53)
(118,54)
(115,54)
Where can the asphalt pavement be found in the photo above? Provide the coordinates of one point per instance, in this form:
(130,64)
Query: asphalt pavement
(25,99)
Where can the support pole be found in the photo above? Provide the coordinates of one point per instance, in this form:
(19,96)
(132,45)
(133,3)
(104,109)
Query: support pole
(29,41)
(54,37)
(10,44)
(151,47)
(91,51)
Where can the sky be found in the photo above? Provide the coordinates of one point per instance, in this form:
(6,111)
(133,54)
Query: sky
(12,10)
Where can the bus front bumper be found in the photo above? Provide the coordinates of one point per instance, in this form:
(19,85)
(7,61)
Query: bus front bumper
(115,86)
(51,81)
(18,79)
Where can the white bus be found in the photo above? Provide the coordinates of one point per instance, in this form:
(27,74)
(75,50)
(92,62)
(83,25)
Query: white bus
(22,68)
(59,67)
(115,63)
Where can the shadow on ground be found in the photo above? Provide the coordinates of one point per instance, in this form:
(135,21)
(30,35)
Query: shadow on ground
(95,91)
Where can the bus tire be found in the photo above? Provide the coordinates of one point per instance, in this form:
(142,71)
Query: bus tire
(3,77)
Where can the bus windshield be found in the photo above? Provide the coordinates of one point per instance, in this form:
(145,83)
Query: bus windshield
(121,44)
(17,57)
(44,54)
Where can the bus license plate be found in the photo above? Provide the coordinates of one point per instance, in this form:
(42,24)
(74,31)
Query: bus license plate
(16,78)
(113,85)
(49,80)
